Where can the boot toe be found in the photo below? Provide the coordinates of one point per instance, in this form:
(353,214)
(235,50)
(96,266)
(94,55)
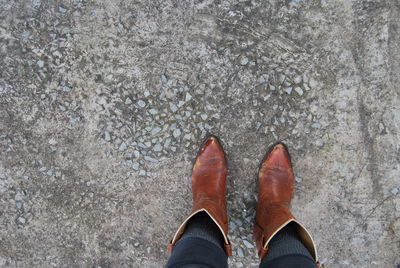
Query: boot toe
(211,149)
(278,157)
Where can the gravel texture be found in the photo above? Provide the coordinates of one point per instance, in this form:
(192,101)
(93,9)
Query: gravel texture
(103,105)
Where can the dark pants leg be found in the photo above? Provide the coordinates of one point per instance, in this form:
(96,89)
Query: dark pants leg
(287,251)
(201,246)
(289,261)
(197,253)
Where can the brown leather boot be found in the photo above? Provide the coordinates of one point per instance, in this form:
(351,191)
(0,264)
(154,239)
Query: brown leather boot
(275,191)
(209,190)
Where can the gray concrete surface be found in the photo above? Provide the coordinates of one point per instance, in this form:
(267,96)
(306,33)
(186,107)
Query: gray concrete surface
(103,105)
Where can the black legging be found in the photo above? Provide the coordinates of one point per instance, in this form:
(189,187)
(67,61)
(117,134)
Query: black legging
(200,253)
(197,253)
(201,247)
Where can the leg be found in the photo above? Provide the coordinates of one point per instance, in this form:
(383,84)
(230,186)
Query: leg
(286,250)
(201,245)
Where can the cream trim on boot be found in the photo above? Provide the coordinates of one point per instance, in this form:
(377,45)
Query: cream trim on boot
(304,235)
(182,228)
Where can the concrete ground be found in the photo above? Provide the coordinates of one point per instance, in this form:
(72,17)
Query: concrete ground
(103,105)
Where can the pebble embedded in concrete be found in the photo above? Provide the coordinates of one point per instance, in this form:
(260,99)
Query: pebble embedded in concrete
(123,147)
(177,133)
(319,143)
(288,90)
(244,60)
(135,166)
(188,97)
(263,78)
(173,107)
(248,244)
(153,111)
(240,252)
(299,91)
(107,136)
(128,101)
(62,10)
(150,159)
(21,220)
(316,125)
(157,147)
(18,197)
(141,103)
(155,130)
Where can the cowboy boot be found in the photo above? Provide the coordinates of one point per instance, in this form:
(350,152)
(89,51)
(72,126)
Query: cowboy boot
(275,191)
(209,190)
